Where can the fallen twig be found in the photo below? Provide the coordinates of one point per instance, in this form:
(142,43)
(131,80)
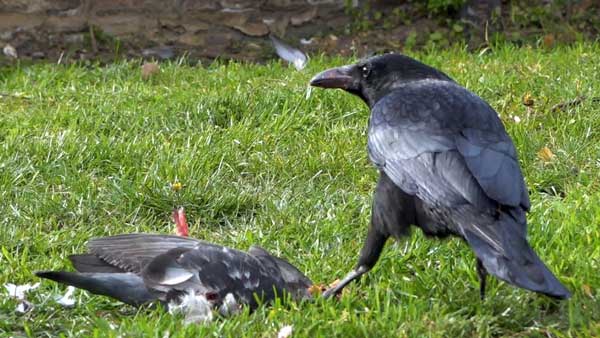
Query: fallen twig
(572,103)
(15,96)
(93,39)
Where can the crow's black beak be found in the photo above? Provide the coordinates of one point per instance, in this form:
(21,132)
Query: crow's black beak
(340,77)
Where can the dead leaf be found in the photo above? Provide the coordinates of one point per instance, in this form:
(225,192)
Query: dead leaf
(587,290)
(545,154)
(528,100)
(548,41)
(149,69)
(316,289)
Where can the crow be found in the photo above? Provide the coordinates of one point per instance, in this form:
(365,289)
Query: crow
(141,268)
(446,165)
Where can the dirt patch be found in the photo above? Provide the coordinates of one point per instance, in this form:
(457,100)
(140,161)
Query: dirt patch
(79,30)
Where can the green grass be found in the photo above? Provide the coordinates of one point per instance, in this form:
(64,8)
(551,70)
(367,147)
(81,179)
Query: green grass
(92,151)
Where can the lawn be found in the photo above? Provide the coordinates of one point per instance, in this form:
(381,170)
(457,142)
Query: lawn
(93,150)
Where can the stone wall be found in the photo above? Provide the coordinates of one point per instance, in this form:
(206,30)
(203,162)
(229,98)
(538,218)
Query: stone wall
(162,28)
(105,29)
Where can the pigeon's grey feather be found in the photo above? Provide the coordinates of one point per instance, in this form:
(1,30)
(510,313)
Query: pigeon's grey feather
(290,54)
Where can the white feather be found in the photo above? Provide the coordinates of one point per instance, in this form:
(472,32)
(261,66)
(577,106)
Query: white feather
(229,306)
(67,300)
(195,308)
(290,54)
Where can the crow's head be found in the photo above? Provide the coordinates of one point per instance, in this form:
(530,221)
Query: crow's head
(373,78)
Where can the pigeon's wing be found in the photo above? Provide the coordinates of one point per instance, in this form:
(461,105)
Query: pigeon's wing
(213,270)
(289,53)
(92,263)
(439,141)
(131,252)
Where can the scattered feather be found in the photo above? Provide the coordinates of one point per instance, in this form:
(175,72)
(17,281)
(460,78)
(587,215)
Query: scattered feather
(545,154)
(229,306)
(67,300)
(10,51)
(19,291)
(289,53)
(195,308)
(517,119)
(24,307)
(285,332)
(308,92)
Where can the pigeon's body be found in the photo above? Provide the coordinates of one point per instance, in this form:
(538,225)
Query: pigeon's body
(446,165)
(140,268)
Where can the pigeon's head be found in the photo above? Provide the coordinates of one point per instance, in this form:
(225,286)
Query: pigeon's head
(373,78)
(294,281)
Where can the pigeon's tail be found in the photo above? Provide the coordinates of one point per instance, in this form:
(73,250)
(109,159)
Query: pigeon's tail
(126,287)
(505,253)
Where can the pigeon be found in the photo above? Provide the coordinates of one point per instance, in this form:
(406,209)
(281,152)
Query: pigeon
(137,269)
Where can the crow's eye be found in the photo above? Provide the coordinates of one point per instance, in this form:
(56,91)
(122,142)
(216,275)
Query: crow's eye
(365,71)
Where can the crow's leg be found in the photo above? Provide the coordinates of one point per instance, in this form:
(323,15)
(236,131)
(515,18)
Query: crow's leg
(368,257)
(392,214)
(482,273)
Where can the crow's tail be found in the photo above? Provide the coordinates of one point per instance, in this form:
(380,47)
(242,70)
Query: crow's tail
(505,253)
(126,287)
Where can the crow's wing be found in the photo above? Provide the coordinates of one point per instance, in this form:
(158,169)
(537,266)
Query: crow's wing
(444,144)
(131,252)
